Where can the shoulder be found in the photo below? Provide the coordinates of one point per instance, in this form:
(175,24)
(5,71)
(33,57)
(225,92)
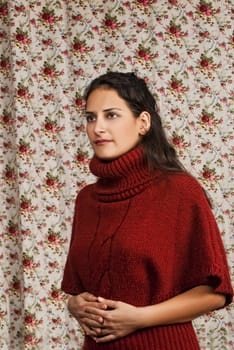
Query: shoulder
(185,187)
(183,180)
(86,189)
(85,193)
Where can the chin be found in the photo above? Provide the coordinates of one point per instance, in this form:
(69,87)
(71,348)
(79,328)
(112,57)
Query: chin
(108,157)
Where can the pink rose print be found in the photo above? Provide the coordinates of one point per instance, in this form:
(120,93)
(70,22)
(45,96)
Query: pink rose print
(51,127)
(9,174)
(13,229)
(173,2)
(56,294)
(49,70)
(176,111)
(23,92)
(205,8)
(4,63)
(144,2)
(80,46)
(20,8)
(175,30)
(30,339)
(24,148)
(30,320)
(47,42)
(206,63)
(177,140)
(176,85)
(28,262)
(48,16)
(110,22)
(52,182)
(144,53)
(81,157)
(25,204)
(208,118)
(3,9)
(6,118)
(142,24)
(15,284)
(208,174)
(79,101)
(54,238)
(21,37)
(77,17)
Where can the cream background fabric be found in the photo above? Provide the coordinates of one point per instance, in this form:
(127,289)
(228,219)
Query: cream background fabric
(49,52)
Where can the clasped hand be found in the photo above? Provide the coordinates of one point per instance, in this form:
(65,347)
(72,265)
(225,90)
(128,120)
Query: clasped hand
(103,319)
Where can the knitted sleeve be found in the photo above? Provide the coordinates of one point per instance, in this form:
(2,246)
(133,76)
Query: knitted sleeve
(199,243)
(71,283)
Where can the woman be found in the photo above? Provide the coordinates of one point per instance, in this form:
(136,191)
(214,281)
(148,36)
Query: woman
(146,257)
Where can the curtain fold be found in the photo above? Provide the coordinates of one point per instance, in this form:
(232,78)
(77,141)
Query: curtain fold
(49,52)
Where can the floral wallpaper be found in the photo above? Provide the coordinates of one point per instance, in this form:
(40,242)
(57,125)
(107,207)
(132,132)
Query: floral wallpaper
(49,52)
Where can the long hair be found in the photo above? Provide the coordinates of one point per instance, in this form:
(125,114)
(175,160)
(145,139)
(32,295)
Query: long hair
(159,153)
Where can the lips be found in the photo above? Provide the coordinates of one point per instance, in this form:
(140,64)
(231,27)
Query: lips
(100,142)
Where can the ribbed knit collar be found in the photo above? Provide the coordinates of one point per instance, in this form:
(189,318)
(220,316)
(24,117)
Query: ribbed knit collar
(121,178)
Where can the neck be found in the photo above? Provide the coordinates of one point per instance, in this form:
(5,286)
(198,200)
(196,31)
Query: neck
(123,177)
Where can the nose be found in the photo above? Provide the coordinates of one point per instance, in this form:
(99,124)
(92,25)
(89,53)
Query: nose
(99,125)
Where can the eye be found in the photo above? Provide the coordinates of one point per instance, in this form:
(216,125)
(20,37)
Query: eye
(90,118)
(112,115)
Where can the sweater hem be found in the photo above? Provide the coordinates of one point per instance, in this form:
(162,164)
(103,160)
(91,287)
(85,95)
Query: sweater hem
(170,337)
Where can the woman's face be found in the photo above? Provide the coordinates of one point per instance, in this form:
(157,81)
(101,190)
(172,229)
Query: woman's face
(111,126)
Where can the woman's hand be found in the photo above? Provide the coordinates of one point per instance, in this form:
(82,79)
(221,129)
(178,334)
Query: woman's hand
(118,319)
(106,320)
(90,321)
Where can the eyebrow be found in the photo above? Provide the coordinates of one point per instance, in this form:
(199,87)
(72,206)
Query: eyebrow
(105,110)
(86,113)
(111,109)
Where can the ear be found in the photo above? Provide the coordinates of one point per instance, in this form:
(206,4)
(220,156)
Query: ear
(144,122)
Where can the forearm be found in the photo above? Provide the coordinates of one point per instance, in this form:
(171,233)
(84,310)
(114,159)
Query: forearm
(106,319)
(181,308)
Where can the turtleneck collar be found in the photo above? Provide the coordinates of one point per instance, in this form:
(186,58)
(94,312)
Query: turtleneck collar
(123,177)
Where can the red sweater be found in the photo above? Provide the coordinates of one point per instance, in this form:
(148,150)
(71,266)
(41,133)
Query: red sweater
(143,238)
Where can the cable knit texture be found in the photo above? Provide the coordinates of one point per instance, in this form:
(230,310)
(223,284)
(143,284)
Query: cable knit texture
(142,238)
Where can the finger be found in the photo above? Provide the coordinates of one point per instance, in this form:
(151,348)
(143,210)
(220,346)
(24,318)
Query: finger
(84,328)
(92,332)
(91,323)
(95,313)
(105,338)
(89,297)
(90,312)
(90,328)
(96,305)
(111,304)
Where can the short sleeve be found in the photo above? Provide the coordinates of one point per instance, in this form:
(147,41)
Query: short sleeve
(202,259)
